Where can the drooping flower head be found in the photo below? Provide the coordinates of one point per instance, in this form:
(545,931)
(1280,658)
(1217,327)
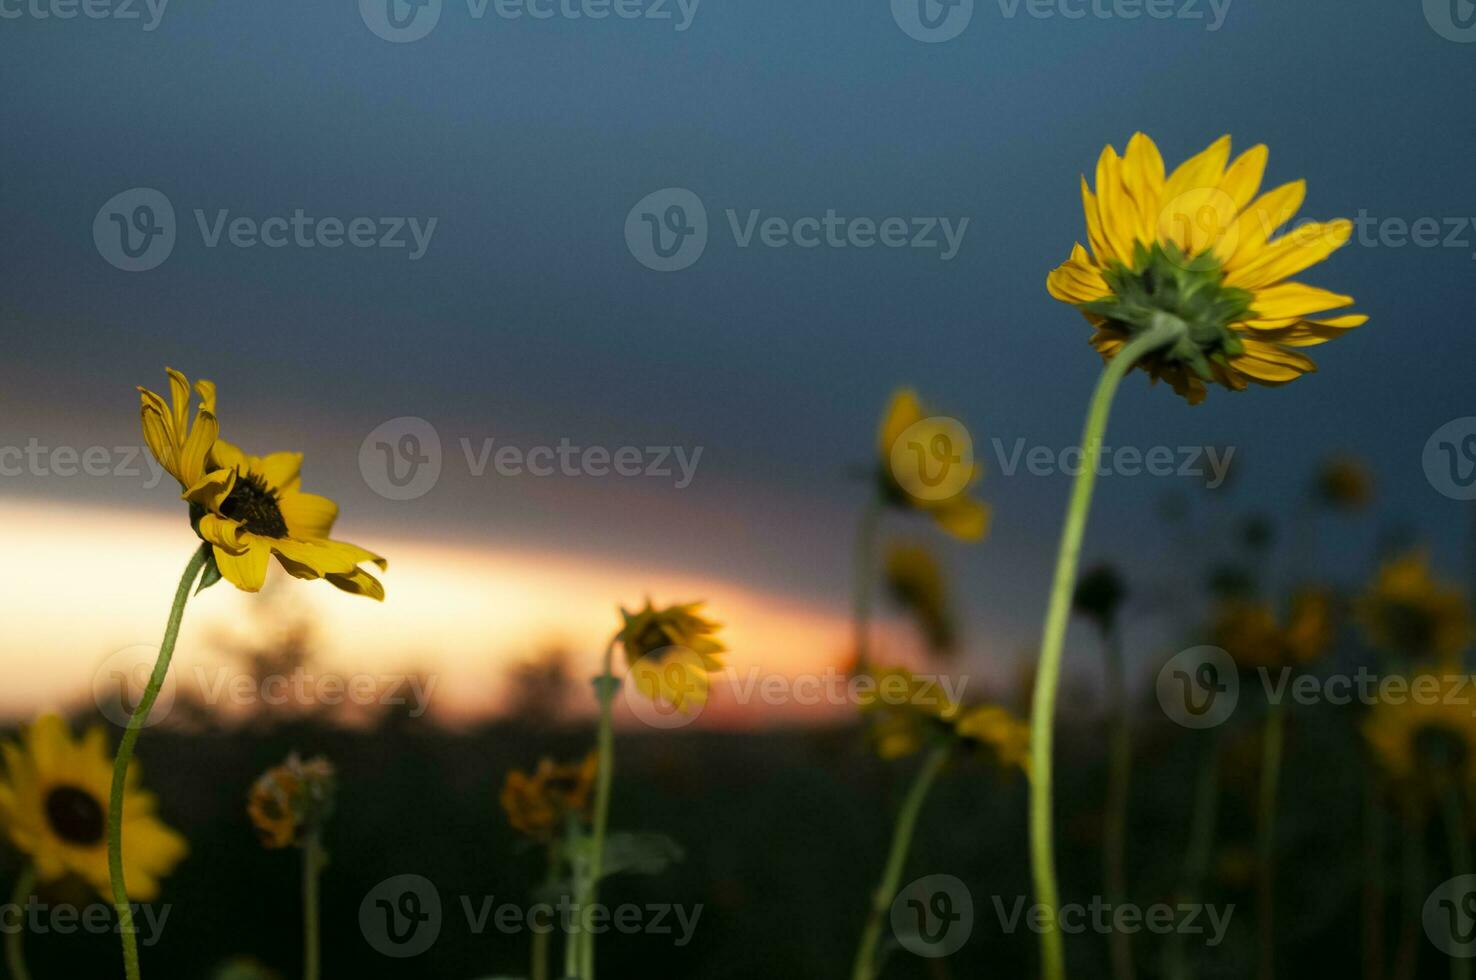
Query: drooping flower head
(1407,611)
(541,803)
(1200,248)
(927,465)
(916,583)
(293,801)
(671,652)
(1099,595)
(908,712)
(1426,744)
(1344,483)
(54,807)
(1254,636)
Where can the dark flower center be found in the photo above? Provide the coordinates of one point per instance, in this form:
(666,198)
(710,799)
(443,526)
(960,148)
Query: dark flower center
(253,505)
(75,815)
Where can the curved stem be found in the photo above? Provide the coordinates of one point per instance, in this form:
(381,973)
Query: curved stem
(543,939)
(1053,636)
(865,571)
(1198,852)
(312,864)
(1373,878)
(1119,775)
(1460,861)
(605,688)
(15,955)
(881,899)
(1271,744)
(125,758)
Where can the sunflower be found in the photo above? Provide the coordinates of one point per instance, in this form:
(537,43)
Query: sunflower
(539,804)
(1251,632)
(292,801)
(1196,247)
(1409,612)
(54,807)
(909,712)
(252,507)
(671,652)
(916,583)
(998,730)
(904,486)
(1344,483)
(181,448)
(1424,743)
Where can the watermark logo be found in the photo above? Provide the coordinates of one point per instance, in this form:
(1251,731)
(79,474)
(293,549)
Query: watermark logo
(401,916)
(401,459)
(934,916)
(667,229)
(1199,687)
(932,21)
(151,12)
(1450,459)
(667,688)
(400,21)
(135,230)
(1449,916)
(119,681)
(933,459)
(1454,20)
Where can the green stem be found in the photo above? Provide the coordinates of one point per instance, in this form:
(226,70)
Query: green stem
(881,899)
(125,758)
(1271,744)
(543,940)
(1460,861)
(1197,853)
(15,956)
(865,573)
(1119,776)
(605,688)
(1373,878)
(312,864)
(1412,888)
(1053,637)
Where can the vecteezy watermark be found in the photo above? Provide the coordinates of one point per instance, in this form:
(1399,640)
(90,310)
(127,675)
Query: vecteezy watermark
(1423,232)
(37,918)
(667,230)
(933,21)
(148,12)
(933,458)
(38,460)
(685,688)
(1454,20)
(119,682)
(1103,917)
(403,916)
(933,916)
(1449,916)
(136,230)
(402,459)
(1199,687)
(1210,464)
(402,21)
(1450,459)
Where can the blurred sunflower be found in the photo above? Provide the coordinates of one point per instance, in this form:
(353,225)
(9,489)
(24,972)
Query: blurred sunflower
(916,583)
(903,485)
(670,653)
(54,806)
(539,804)
(1196,247)
(1344,483)
(998,730)
(1251,632)
(1427,743)
(1409,612)
(290,802)
(909,712)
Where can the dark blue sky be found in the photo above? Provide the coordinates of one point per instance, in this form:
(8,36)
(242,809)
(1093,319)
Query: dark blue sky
(528,320)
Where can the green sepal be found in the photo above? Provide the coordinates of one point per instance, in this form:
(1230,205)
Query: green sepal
(210,574)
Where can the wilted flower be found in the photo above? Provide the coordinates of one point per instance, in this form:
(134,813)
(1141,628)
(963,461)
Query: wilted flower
(54,807)
(1195,247)
(956,512)
(671,652)
(540,804)
(916,582)
(1409,612)
(292,802)
(1099,595)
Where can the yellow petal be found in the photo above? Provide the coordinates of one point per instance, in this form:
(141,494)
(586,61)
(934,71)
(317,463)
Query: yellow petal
(903,411)
(963,517)
(1290,254)
(308,515)
(1259,221)
(247,570)
(1203,170)
(1291,301)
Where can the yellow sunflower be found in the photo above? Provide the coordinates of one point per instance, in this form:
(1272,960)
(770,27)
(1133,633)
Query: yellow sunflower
(1251,632)
(291,801)
(999,730)
(54,808)
(1424,743)
(929,484)
(1197,247)
(539,804)
(909,712)
(253,508)
(671,652)
(1409,612)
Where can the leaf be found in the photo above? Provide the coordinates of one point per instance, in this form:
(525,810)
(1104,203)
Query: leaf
(211,573)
